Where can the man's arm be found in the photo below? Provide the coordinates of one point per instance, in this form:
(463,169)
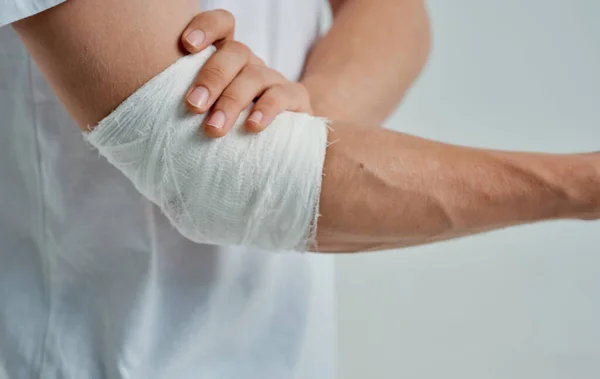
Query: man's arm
(384,190)
(367,61)
(95,54)
(381,189)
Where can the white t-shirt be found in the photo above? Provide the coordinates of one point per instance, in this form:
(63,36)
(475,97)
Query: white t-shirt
(94,281)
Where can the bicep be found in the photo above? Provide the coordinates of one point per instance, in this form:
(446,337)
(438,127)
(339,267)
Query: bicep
(96,53)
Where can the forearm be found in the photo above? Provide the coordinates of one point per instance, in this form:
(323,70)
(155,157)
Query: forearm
(363,67)
(96,53)
(386,190)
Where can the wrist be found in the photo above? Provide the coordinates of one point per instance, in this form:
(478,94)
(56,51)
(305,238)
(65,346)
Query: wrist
(565,186)
(581,177)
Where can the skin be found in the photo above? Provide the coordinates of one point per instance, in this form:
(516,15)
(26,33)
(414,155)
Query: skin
(233,78)
(373,52)
(404,190)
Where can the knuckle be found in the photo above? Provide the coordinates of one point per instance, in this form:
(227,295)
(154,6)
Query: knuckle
(229,102)
(278,91)
(198,18)
(230,98)
(299,92)
(253,70)
(304,95)
(226,16)
(298,88)
(259,61)
(207,21)
(269,102)
(213,76)
(237,47)
(276,77)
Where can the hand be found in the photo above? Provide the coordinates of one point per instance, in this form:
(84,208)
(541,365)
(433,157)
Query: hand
(234,77)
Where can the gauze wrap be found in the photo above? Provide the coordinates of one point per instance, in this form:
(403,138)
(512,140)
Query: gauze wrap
(259,190)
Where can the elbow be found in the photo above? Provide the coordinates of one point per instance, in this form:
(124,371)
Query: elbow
(254,190)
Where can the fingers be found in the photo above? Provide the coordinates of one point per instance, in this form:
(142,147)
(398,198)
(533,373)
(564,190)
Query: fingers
(290,96)
(233,77)
(206,28)
(216,74)
(237,96)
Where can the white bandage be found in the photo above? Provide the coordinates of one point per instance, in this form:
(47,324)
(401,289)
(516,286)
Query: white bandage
(260,190)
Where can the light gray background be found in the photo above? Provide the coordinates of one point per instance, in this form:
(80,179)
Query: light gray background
(520,303)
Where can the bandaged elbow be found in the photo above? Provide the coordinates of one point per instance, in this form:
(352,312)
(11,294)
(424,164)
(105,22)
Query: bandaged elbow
(259,190)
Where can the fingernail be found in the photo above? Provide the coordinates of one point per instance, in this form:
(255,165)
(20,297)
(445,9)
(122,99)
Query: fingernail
(217,120)
(256,117)
(195,37)
(198,97)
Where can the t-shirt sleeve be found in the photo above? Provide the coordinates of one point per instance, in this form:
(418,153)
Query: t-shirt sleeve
(14,10)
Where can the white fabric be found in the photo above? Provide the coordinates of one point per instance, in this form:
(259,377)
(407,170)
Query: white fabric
(96,283)
(14,10)
(259,190)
